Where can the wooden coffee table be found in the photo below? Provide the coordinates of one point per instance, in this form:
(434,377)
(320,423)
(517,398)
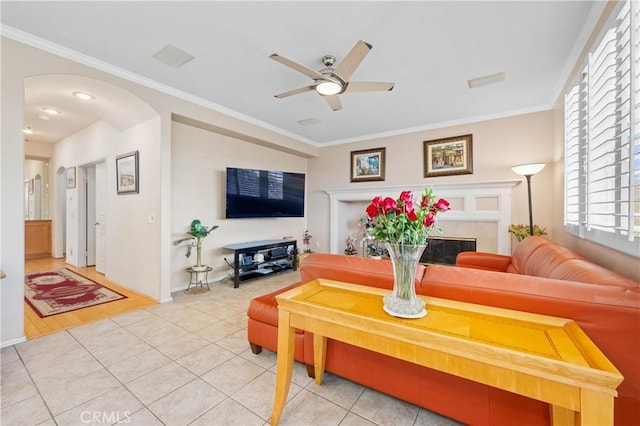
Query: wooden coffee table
(542,357)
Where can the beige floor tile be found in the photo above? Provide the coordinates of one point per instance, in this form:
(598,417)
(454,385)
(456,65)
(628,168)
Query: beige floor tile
(183,345)
(232,375)
(229,413)
(45,344)
(218,331)
(236,342)
(16,390)
(258,394)
(384,409)
(340,391)
(156,384)
(107,340)
(124,350)
(93,329)
(52,353)
(28,412)
(111,407)
(12,370)
(142,417)
(205,359)
(131,368)
(156,332)
(197,322)
(355,420)
(66,371)
(8,354)
(309,408)
(64,396)
(133,317)
(187,403)
(265,359)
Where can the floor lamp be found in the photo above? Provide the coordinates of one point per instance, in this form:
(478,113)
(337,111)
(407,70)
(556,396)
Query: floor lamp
(528,170)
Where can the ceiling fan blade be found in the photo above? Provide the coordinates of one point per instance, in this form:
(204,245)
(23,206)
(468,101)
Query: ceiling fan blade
(352,60)
(333,101)
(295,91)
(368,86)
(297,67)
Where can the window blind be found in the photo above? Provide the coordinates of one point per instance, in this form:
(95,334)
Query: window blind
(602,142)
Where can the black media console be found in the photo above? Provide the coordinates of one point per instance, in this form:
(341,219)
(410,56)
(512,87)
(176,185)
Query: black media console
(257,259)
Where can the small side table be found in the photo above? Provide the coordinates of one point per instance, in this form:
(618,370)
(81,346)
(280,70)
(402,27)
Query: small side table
(195,275)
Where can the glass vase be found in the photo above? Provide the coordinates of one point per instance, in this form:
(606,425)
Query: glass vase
(403,302)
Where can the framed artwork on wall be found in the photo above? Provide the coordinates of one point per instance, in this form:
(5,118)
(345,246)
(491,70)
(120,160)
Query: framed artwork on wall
(448,156)
(367,165)
(71,177)
(127,173)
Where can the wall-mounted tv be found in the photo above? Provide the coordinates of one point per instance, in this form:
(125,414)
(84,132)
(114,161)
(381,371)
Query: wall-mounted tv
(264,193)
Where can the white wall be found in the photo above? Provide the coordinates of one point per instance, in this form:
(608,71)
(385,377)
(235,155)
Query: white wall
(133,243)
(199,161)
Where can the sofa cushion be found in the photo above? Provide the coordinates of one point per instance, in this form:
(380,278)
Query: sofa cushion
(538,256)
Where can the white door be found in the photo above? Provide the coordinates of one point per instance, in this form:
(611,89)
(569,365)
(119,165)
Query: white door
(101,216)
(90,214)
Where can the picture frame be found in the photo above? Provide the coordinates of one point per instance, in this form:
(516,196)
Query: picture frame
(127,173)
(71,177)
(368,165)
(448,156)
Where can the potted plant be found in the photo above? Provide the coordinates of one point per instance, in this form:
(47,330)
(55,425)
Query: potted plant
(197,234)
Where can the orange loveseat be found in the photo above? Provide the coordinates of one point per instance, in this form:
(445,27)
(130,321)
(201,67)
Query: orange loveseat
(608,311)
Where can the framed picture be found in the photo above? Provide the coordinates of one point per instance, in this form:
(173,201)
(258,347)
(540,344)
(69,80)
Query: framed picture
(127,173)
(367,165)
(449,156)
(71,177)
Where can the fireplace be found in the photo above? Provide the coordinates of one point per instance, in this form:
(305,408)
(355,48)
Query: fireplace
(479,210)
(443,250)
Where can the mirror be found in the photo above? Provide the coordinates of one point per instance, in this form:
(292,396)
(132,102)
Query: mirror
(36,189)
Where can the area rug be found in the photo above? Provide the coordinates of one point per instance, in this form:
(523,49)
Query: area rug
(56,292)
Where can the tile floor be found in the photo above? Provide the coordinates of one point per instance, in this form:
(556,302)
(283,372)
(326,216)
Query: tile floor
(182,363)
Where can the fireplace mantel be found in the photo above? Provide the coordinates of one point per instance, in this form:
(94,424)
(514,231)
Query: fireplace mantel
(488,201)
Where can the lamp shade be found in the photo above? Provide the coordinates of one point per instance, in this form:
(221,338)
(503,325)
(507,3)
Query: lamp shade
(528,169)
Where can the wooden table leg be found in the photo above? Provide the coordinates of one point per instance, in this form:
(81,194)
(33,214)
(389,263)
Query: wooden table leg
(319,356)
(595,409)
(286,343)
(562,416)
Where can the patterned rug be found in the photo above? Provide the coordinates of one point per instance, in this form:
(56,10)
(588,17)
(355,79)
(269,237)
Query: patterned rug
(56,292)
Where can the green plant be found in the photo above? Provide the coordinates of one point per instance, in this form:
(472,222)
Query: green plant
(522,231)
(197,234)
(401,221)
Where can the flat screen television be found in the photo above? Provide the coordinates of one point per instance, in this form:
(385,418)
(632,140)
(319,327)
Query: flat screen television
(264,193)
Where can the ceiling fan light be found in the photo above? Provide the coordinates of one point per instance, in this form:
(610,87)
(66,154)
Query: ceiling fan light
(328,88)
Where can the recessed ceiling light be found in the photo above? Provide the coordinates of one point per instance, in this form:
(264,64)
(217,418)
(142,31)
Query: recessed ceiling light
(28,130)
(84,96)
(172,56)
(486,80)
(43,117)
(51,111)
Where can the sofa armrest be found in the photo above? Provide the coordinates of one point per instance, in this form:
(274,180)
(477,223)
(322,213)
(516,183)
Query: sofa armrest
(482,260)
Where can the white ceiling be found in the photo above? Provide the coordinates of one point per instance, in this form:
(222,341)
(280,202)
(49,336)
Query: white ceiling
(428,48)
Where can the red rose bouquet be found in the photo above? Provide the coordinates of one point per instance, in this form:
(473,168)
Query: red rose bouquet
(403,221)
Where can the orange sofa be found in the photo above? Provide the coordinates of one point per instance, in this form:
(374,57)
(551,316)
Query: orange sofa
(607,309)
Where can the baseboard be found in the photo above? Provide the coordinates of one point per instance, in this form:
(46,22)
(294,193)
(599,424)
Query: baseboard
(13,342)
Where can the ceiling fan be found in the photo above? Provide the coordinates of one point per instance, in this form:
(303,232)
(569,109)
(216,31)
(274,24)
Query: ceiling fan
(330,82)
